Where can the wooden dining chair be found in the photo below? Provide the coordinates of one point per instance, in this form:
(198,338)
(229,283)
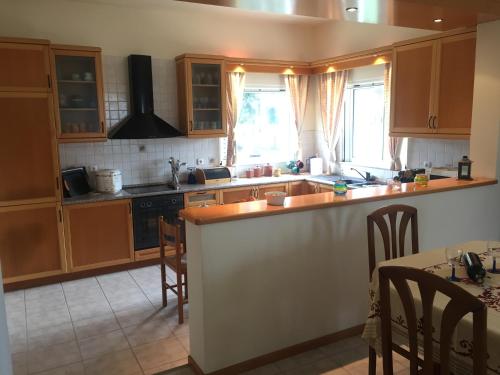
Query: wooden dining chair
(460,303)
(394,244)
(171,235)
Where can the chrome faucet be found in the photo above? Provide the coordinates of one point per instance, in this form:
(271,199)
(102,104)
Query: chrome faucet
(176,167)
(366,177)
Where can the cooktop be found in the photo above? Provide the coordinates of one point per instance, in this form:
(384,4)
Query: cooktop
(147,189)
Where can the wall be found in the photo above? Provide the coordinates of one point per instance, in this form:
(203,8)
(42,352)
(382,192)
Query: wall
(442,153)
(485,132)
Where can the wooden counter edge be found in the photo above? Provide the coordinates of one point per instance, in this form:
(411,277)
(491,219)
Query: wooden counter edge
(198,216)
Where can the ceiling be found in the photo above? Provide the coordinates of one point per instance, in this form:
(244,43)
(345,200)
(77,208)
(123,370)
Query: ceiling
(406,13)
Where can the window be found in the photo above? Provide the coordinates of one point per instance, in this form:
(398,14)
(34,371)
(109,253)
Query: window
(364,129)
(264,132)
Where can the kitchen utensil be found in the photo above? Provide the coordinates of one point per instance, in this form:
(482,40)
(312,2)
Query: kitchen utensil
(88,76)
(75,76)
(277,172)
(75,182)
(454,257)
(175,166)
(275,198)
(191,176)
(340,187)
(108,180)
(77,101)
(213,175)
(268,170)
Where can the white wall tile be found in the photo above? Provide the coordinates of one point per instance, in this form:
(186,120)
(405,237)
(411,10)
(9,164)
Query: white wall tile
(440,153)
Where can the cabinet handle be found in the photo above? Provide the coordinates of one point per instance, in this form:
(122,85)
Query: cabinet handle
(48,80)
(434,125)
(191,124)
(57,183)
(429,122)
(60,215)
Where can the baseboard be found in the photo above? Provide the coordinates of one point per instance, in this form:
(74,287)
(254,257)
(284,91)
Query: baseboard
(277,355)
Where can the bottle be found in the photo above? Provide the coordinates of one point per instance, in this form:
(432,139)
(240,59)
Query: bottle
(474,267)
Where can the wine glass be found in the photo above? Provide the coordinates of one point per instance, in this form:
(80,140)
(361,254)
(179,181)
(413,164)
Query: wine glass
(494,252)
(453,256)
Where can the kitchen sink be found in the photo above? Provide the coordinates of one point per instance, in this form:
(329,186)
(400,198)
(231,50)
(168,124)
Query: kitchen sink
(333,178)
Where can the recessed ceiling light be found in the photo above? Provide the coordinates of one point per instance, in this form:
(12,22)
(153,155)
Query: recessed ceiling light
(351,9)
(438,20)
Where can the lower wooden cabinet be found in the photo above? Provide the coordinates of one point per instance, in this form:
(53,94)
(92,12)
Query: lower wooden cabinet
(325,188)
(98,234)
(31,244)
(263,189)
(201,198)
(237,195)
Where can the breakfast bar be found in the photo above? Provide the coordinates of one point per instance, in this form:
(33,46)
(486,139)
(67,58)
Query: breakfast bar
(268,281)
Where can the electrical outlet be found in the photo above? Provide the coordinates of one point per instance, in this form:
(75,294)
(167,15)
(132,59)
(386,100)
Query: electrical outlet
(200,161)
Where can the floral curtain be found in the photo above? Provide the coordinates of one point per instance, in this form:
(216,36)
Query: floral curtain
(394,143)
(234,96)
(331,97)
(297,88)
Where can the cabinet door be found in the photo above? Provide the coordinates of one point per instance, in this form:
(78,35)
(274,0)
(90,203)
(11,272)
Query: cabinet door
(310,187)
(98,234)
(202,89)
(77,77)
(237,195)
(412,88)
(201,198)
(263,189)
(24,67)
(297,188)
(324,188)
(30,241)
(456,84)
(28,166)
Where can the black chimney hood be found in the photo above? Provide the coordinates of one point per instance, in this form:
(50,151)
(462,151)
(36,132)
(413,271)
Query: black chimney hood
(142,122)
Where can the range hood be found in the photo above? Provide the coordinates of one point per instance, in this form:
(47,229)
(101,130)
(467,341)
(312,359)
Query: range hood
(142,122)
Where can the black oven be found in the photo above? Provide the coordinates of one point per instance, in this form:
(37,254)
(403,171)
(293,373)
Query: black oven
(146,210)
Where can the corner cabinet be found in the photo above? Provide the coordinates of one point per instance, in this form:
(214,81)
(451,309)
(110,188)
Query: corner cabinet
(98,234)
(201,89)
(432,87)
(78,93)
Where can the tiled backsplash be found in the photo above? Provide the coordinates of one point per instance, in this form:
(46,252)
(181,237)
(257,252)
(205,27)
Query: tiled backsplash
(141,161)
(441,153)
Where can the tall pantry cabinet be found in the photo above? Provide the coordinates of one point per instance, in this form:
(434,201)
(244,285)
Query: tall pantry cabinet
(31,243)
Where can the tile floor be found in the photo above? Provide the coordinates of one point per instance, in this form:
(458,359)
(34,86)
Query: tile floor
(114,324)
(110,324)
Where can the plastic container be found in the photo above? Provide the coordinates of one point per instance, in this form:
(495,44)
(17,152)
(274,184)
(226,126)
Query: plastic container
(421,180)
(340,187)
(275,198)
(108,181)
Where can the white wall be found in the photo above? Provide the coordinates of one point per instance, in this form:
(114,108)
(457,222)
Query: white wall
(485,132)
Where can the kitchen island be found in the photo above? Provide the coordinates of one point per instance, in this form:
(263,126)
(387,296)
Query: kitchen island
(266,282)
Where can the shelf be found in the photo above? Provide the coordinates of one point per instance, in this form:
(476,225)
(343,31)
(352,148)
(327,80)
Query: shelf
(206,109)
(78,109)
(204,85)
(75,81)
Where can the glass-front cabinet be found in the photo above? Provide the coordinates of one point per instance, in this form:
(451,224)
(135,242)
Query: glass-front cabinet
(78,85)
(201,88)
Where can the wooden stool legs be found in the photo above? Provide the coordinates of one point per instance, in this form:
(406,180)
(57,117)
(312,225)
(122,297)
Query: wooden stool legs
(372,361)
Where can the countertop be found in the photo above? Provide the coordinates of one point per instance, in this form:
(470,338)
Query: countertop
(186,188)
(238,211)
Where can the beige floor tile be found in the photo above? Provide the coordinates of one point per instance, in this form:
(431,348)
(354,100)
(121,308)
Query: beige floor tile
(95,326)
(86,311)
(98,345)
(51,335)
(137,315)
(183,370)
(122,302)
(75,286)
(270,369)
(116,363)
(46,358)
(86,298)
(43,292)
(48,318)
(159,354)
(351,357)
(152,330)
(184,339)
(168,366)
(73,369)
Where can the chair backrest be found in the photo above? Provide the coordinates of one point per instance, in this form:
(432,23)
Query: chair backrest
(461,302)
(170,235)
(394,239)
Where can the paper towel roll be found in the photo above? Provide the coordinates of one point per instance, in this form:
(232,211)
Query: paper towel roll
(316,166)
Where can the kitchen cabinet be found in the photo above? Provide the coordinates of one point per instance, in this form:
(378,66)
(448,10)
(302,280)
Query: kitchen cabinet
(263,189)
(239,194)
(31,244)
(201,198)
(297,188)
(98,234)
(24,65)
(325,188)
(28,154)
(79,96)
(432,87)
(201,89)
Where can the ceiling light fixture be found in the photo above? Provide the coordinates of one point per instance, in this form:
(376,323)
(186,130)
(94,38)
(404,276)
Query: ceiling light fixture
(351,9)
(438,20)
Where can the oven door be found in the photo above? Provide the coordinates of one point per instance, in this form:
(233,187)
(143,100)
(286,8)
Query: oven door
(146,212)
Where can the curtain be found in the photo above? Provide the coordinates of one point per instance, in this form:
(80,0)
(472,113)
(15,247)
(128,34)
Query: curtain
(331,97)
(297,87)
(234,96)
(394,143)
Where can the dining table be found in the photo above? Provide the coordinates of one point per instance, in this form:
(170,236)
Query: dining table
(435,262)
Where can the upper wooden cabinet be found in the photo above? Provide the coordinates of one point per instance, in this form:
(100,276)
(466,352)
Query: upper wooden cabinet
(79,95)
(24,65)
(28,155)
(432,87)
(98,234)
(201,88)
(31,241)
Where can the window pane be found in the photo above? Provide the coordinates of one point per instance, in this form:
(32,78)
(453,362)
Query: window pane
(263,132)
(368,123)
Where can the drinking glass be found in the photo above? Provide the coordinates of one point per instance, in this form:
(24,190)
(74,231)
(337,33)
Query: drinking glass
(494,252)
(453,256)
